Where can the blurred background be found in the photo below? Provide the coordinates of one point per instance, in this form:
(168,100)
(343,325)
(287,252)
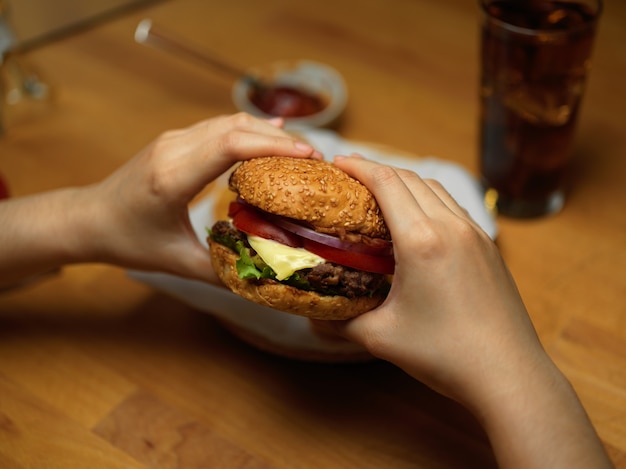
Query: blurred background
(35,21)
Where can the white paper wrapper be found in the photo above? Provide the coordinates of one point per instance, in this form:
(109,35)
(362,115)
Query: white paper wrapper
(288,334)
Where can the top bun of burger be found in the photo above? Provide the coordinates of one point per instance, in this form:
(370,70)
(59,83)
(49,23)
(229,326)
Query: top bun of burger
(313,191)
(316,203)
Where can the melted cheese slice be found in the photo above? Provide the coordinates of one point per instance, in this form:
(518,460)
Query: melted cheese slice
(284,260)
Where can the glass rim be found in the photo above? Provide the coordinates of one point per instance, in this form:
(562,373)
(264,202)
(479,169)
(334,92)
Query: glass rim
(546,32)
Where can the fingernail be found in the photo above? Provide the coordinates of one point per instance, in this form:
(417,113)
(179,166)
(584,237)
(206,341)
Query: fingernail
(352,155)
(304,147)
(318,155)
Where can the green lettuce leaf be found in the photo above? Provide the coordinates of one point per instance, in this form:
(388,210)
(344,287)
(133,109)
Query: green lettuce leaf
(252,266)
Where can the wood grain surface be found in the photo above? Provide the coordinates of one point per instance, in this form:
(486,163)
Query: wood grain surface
(97,370)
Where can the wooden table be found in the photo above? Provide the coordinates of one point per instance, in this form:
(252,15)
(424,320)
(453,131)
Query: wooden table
(97,370)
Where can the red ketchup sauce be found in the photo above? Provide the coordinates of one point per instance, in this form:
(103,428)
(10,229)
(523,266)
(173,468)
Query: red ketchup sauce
(4,190)
(286,101)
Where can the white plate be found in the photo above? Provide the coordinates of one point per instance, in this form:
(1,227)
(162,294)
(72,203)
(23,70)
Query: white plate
(285,333)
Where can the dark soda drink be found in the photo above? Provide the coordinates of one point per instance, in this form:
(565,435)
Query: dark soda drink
(535,57)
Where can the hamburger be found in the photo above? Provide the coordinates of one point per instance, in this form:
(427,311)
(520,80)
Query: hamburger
(303,237)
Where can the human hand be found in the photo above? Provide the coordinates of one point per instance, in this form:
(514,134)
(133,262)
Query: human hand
(455,321)
(140,213)
(453,318)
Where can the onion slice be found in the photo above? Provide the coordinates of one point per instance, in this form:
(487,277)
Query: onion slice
(379,248)
(382,248)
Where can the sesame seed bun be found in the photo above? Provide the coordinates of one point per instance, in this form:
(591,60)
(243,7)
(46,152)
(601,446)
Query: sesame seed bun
(329,201)
(310,190)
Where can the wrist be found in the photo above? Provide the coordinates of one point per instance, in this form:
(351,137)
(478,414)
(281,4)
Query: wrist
(79,226)
(65,220)
(507,382)
(43,234)
(534,418)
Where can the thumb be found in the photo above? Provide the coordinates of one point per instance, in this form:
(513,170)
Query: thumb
(333,330)
(348,329)
(195,263)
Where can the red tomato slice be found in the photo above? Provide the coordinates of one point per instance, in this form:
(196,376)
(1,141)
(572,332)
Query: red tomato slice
(234,207)
(356,260)
(249,221)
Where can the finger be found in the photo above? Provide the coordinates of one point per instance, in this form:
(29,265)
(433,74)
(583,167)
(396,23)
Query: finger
(239,129)
(325,330)
(280,123)
(246,122)
(198,265)
(368,330)
(352,155)
(213,156)
(451,202)
(241,145)
(338,328)
(434,198)
(390,192)
(429,199)
(276,122)
(224,125)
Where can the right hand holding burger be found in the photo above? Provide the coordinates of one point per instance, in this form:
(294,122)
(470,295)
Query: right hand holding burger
(454,320)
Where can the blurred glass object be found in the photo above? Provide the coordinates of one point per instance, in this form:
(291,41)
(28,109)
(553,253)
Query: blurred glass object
(7,39)
(19,83)
(28,24)
(38,21)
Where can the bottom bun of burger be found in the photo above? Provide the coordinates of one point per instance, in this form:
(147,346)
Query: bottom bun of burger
(286,298)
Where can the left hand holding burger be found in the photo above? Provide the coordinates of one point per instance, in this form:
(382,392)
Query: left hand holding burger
(137,217)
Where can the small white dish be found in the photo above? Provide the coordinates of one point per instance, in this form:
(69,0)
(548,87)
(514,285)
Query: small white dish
(306,75)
